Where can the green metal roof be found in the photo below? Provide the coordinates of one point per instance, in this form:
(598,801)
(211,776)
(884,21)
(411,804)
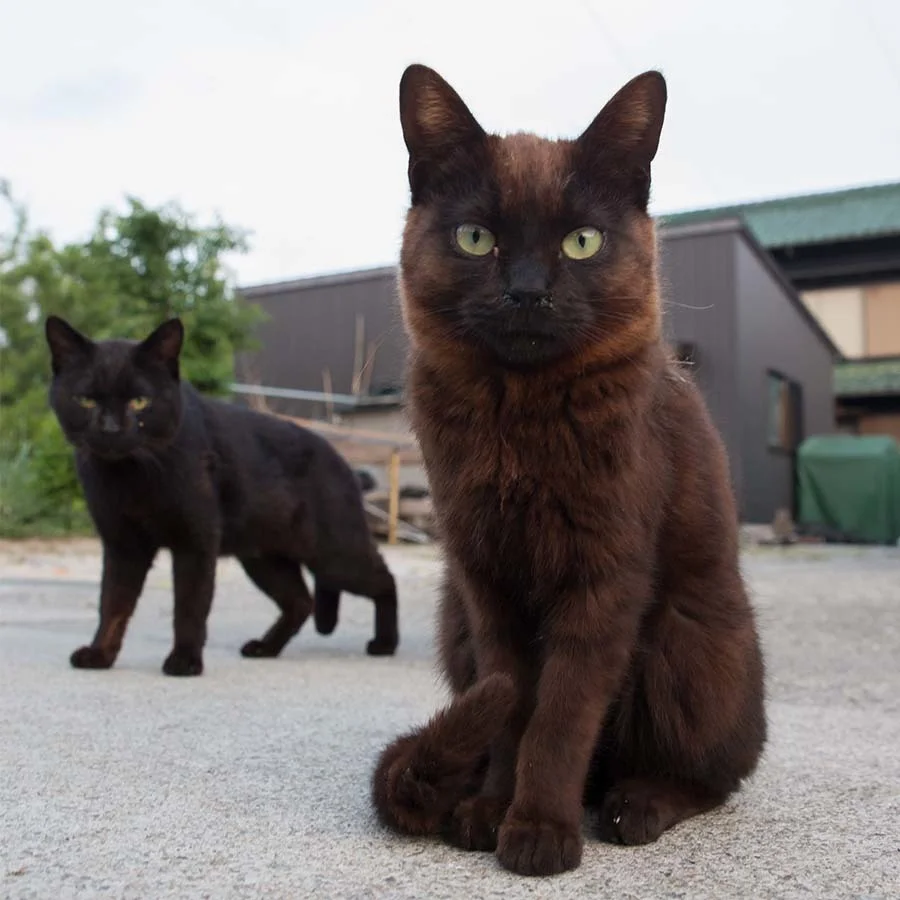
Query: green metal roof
(812,218)
(861,378)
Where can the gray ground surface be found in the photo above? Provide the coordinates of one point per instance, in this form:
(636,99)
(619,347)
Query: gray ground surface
(252,781)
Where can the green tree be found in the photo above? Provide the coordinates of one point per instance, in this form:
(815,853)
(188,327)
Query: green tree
(138,268)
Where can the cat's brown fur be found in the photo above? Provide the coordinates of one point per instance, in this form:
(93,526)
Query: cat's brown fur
(583,495)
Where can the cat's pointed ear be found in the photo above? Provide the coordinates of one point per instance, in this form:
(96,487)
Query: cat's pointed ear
(623,139)
(436,124)
(164,345)
(66,343)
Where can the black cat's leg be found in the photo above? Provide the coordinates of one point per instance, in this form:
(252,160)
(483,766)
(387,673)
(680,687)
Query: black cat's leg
(326,605)
(373,579)
(195,578)
(384,595)
(282,580)
(124,571)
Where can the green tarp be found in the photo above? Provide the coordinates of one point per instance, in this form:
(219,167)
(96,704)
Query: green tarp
(849,487)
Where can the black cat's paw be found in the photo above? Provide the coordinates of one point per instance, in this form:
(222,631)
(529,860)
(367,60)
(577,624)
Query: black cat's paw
(538,848)
(257,649)
(91,658)
(476,822)
(631,814)
(182,665)
(382,646)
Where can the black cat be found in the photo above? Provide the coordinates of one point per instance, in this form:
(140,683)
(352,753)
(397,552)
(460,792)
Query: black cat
(162,466)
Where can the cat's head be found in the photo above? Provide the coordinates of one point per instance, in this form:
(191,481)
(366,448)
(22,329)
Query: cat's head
(117,398)
(524,250)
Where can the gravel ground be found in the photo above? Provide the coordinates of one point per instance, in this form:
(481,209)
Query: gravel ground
(252,781)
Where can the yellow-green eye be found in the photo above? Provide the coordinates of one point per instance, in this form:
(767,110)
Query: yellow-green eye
(475,240)
(582,243)
(139,403)
(86,402)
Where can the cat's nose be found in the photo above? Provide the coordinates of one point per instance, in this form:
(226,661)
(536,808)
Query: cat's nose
(108,424)
(528,299)
(528,286)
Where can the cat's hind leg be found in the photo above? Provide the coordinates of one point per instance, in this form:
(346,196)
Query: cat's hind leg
(282,580)
(692,726)
(326,605)
(366,574)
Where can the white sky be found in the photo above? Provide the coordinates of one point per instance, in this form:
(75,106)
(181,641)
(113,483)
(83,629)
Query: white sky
(281,115)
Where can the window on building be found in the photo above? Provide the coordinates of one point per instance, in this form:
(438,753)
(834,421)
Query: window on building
(785,403)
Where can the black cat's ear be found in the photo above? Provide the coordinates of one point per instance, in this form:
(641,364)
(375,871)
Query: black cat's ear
(623,139)
(436,125)
(66,343)
(164,345)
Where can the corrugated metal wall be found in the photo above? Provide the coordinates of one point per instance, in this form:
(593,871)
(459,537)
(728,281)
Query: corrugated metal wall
(312,326)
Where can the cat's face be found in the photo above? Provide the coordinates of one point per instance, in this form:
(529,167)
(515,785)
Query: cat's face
(528,250)
(116,399)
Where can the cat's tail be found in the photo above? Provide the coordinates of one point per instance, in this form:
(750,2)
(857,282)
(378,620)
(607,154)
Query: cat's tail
(423,775)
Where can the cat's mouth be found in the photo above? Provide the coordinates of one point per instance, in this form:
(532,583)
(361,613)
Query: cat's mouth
(111,450)
(525,347)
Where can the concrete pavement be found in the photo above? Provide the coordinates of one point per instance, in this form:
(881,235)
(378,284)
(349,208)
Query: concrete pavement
(252,781)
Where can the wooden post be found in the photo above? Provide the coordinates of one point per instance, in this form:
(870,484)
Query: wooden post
(393,496)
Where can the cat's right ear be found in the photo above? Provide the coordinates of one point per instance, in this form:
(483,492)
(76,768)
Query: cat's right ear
(436,124)
(66,343)
(164,345)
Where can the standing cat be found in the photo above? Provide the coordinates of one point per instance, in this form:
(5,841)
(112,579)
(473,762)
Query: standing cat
(592,593)
(162,466)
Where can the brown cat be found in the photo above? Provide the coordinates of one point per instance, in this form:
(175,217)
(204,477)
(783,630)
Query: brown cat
(594,625)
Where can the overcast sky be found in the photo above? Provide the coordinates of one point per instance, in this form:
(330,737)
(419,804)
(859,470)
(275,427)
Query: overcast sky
(281,115)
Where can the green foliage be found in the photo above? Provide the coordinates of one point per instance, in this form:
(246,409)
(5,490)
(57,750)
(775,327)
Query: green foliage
(137,269)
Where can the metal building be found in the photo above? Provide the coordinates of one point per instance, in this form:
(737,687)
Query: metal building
(760,358)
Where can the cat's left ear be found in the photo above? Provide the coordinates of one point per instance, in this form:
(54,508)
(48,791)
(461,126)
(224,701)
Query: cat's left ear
(164,345)
(67,344)
(436,124)
(623,139)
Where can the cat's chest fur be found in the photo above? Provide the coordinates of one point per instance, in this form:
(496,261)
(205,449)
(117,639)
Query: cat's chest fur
(526,485)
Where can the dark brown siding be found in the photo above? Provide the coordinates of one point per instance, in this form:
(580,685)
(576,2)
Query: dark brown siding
(721,293)
(312,325)
(697,275)
(774,335)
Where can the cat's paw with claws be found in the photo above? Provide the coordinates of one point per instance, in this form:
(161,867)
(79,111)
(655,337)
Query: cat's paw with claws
(382,646)
(183,665)
(475,823)
(631,814)
(538,848)
(257,649)
(91,658)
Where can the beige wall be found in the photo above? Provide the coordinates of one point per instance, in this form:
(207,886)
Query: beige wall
(862,321)
(881,424)
(883,320)
(840,313)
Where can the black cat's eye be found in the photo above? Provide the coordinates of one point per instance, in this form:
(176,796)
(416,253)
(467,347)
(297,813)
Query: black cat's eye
(137,404)
(85,402)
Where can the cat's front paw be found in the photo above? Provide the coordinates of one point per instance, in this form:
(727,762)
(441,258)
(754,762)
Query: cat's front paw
(538,848)
(182,664)
(476,822)
(91,658)
(382,646)
(257,649)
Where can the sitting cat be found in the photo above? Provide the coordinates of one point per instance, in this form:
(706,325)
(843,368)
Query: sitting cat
(162,466)
(594,625)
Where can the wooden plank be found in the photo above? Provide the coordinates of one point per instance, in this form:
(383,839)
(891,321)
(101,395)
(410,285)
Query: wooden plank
(394,497)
